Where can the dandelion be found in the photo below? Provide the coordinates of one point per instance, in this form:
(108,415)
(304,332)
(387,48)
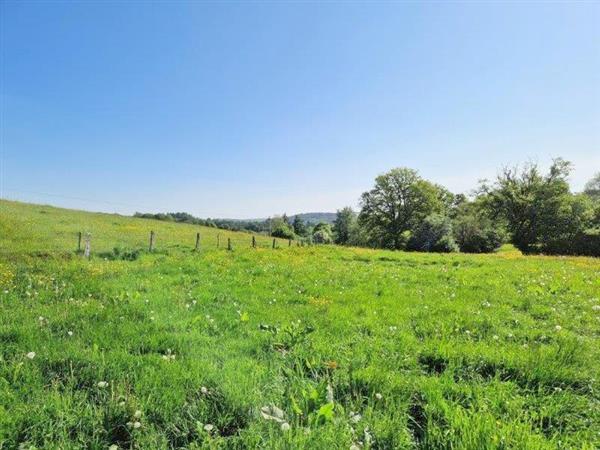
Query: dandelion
(121,404)
(209,427)
(31,355)
(102,384)
(378,396)
(596,308)
(285,426)
(70,333)
(136,424)
(204,390)
(137,414)
(354,447)
(113,447)
(495,337)
(558,328)
(393,328)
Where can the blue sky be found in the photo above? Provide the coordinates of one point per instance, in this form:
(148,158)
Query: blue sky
(242,109)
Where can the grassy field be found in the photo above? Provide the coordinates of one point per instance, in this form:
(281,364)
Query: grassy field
(297,347)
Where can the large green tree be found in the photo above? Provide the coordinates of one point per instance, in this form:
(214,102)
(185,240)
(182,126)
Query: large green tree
(397,204)
(538,208)
(299,226)
(343,224)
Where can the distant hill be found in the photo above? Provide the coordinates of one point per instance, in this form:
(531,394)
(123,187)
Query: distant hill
(316,217)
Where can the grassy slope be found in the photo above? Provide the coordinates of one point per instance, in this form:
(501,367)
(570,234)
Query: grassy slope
(463,349)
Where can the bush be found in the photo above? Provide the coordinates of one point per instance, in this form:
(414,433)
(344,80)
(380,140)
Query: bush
(583,244)
(322,236)
(283,231)
(434,234)
(477,234)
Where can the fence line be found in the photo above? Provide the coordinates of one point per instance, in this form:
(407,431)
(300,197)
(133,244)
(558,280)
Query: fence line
(87,238)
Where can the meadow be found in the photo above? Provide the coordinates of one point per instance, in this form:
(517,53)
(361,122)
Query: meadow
(318,347)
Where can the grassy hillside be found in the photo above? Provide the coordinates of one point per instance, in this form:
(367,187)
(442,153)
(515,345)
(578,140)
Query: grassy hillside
(313,347)
(35,229)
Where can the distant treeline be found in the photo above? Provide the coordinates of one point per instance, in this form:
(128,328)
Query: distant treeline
(225,224)
(267,226)
(536,212)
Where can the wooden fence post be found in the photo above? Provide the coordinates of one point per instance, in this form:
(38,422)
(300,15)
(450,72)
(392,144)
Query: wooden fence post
(86,252)
(253,242)
(218,240)
(273,242)
(79,243)
(151,247)
(289,242)
(229,244)
(197,241)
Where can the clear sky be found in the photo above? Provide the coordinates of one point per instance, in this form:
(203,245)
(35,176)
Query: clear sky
(244,109)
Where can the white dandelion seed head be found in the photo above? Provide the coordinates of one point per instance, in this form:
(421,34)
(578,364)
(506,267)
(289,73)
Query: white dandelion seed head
(558,328)
(378,396)
(355,417)
(30,355)
(204,390)
(285,426)
(209,427)
(329,393)
(136,424)
(102,384)
(137,414)
(272,413)
(70,333)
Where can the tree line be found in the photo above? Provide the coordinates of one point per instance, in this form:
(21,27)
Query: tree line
(535,211)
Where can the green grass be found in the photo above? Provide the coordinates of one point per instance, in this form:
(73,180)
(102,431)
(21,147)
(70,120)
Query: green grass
(416,350)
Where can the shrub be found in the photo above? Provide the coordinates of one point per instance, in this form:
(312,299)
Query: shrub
(584,244)
(283,231)
(322,236)
(434,234)
(476,234)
